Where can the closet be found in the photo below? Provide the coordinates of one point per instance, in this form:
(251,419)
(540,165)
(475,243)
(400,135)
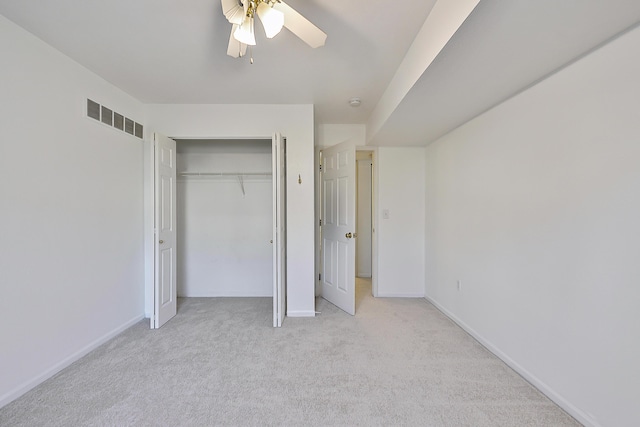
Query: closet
(225,217)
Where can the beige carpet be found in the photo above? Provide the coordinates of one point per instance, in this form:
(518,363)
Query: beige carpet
(219,362)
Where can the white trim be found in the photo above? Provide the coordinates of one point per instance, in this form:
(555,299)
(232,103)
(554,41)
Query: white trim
(374,222)
(317,247)
(572,410)
(395,295)
(28,385)
(302,313)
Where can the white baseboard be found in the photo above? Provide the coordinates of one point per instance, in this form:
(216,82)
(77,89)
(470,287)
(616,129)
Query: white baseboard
(30,384)
(572,410)
(396,295)
(302,313)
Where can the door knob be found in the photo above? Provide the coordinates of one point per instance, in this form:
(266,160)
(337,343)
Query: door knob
(161,241)
(348,235)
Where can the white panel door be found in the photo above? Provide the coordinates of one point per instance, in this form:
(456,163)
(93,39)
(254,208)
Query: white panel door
(165,300)
(338,225)
(278,151)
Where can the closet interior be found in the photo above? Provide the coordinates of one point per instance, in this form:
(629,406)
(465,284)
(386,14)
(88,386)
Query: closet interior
(224,218)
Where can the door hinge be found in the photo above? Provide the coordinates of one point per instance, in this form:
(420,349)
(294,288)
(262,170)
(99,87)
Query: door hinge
(320,277)
(320,168)
(320,223)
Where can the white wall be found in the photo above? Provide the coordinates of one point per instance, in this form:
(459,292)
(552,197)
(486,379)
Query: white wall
(71,251)
(224,233)
(401,245)
(258,121)
(329,135)
(535,207)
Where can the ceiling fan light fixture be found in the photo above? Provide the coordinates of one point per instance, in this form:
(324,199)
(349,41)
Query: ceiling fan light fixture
(274,14)
(272,20)
(244,33)
(233,11)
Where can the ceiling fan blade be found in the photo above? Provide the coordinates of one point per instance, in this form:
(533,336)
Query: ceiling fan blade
(233,11)
(235,48)
(300,26)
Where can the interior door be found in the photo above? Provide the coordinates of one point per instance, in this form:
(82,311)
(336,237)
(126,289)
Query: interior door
(278,151)
(338,225)
(165,300)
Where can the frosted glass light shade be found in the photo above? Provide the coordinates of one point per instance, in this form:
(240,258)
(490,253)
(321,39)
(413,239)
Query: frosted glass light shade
(272,20)
(244,33)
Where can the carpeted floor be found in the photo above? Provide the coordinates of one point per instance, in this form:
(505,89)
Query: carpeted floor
(219,362)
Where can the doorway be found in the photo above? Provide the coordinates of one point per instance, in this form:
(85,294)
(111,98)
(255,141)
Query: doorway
(364,223)
(224,218)
(342,223)
(229,202)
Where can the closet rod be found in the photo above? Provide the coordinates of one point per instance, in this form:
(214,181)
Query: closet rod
(225,173)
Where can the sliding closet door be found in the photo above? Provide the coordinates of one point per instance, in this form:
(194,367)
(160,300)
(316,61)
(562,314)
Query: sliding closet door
(279,229)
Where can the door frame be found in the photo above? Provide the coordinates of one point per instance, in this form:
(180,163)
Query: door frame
(279,221)
(365,159)
(374,212)
(149,212)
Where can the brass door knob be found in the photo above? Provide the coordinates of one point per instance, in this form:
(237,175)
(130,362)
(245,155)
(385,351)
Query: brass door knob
(348,235)
(161,241)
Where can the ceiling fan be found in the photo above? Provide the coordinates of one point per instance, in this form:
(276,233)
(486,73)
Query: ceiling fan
(274,14)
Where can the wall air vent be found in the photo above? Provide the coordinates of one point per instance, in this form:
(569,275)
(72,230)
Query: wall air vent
(107,116)
(118,121)
(128,125)
(93,109)
(113,119)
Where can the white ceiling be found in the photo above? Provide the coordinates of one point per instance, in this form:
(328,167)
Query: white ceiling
(169,51)
(503,47)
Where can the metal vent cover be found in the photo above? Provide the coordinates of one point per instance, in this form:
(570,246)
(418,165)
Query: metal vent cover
(107,116)
(93,109)
(118,121)
(128,125)
(113,119)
